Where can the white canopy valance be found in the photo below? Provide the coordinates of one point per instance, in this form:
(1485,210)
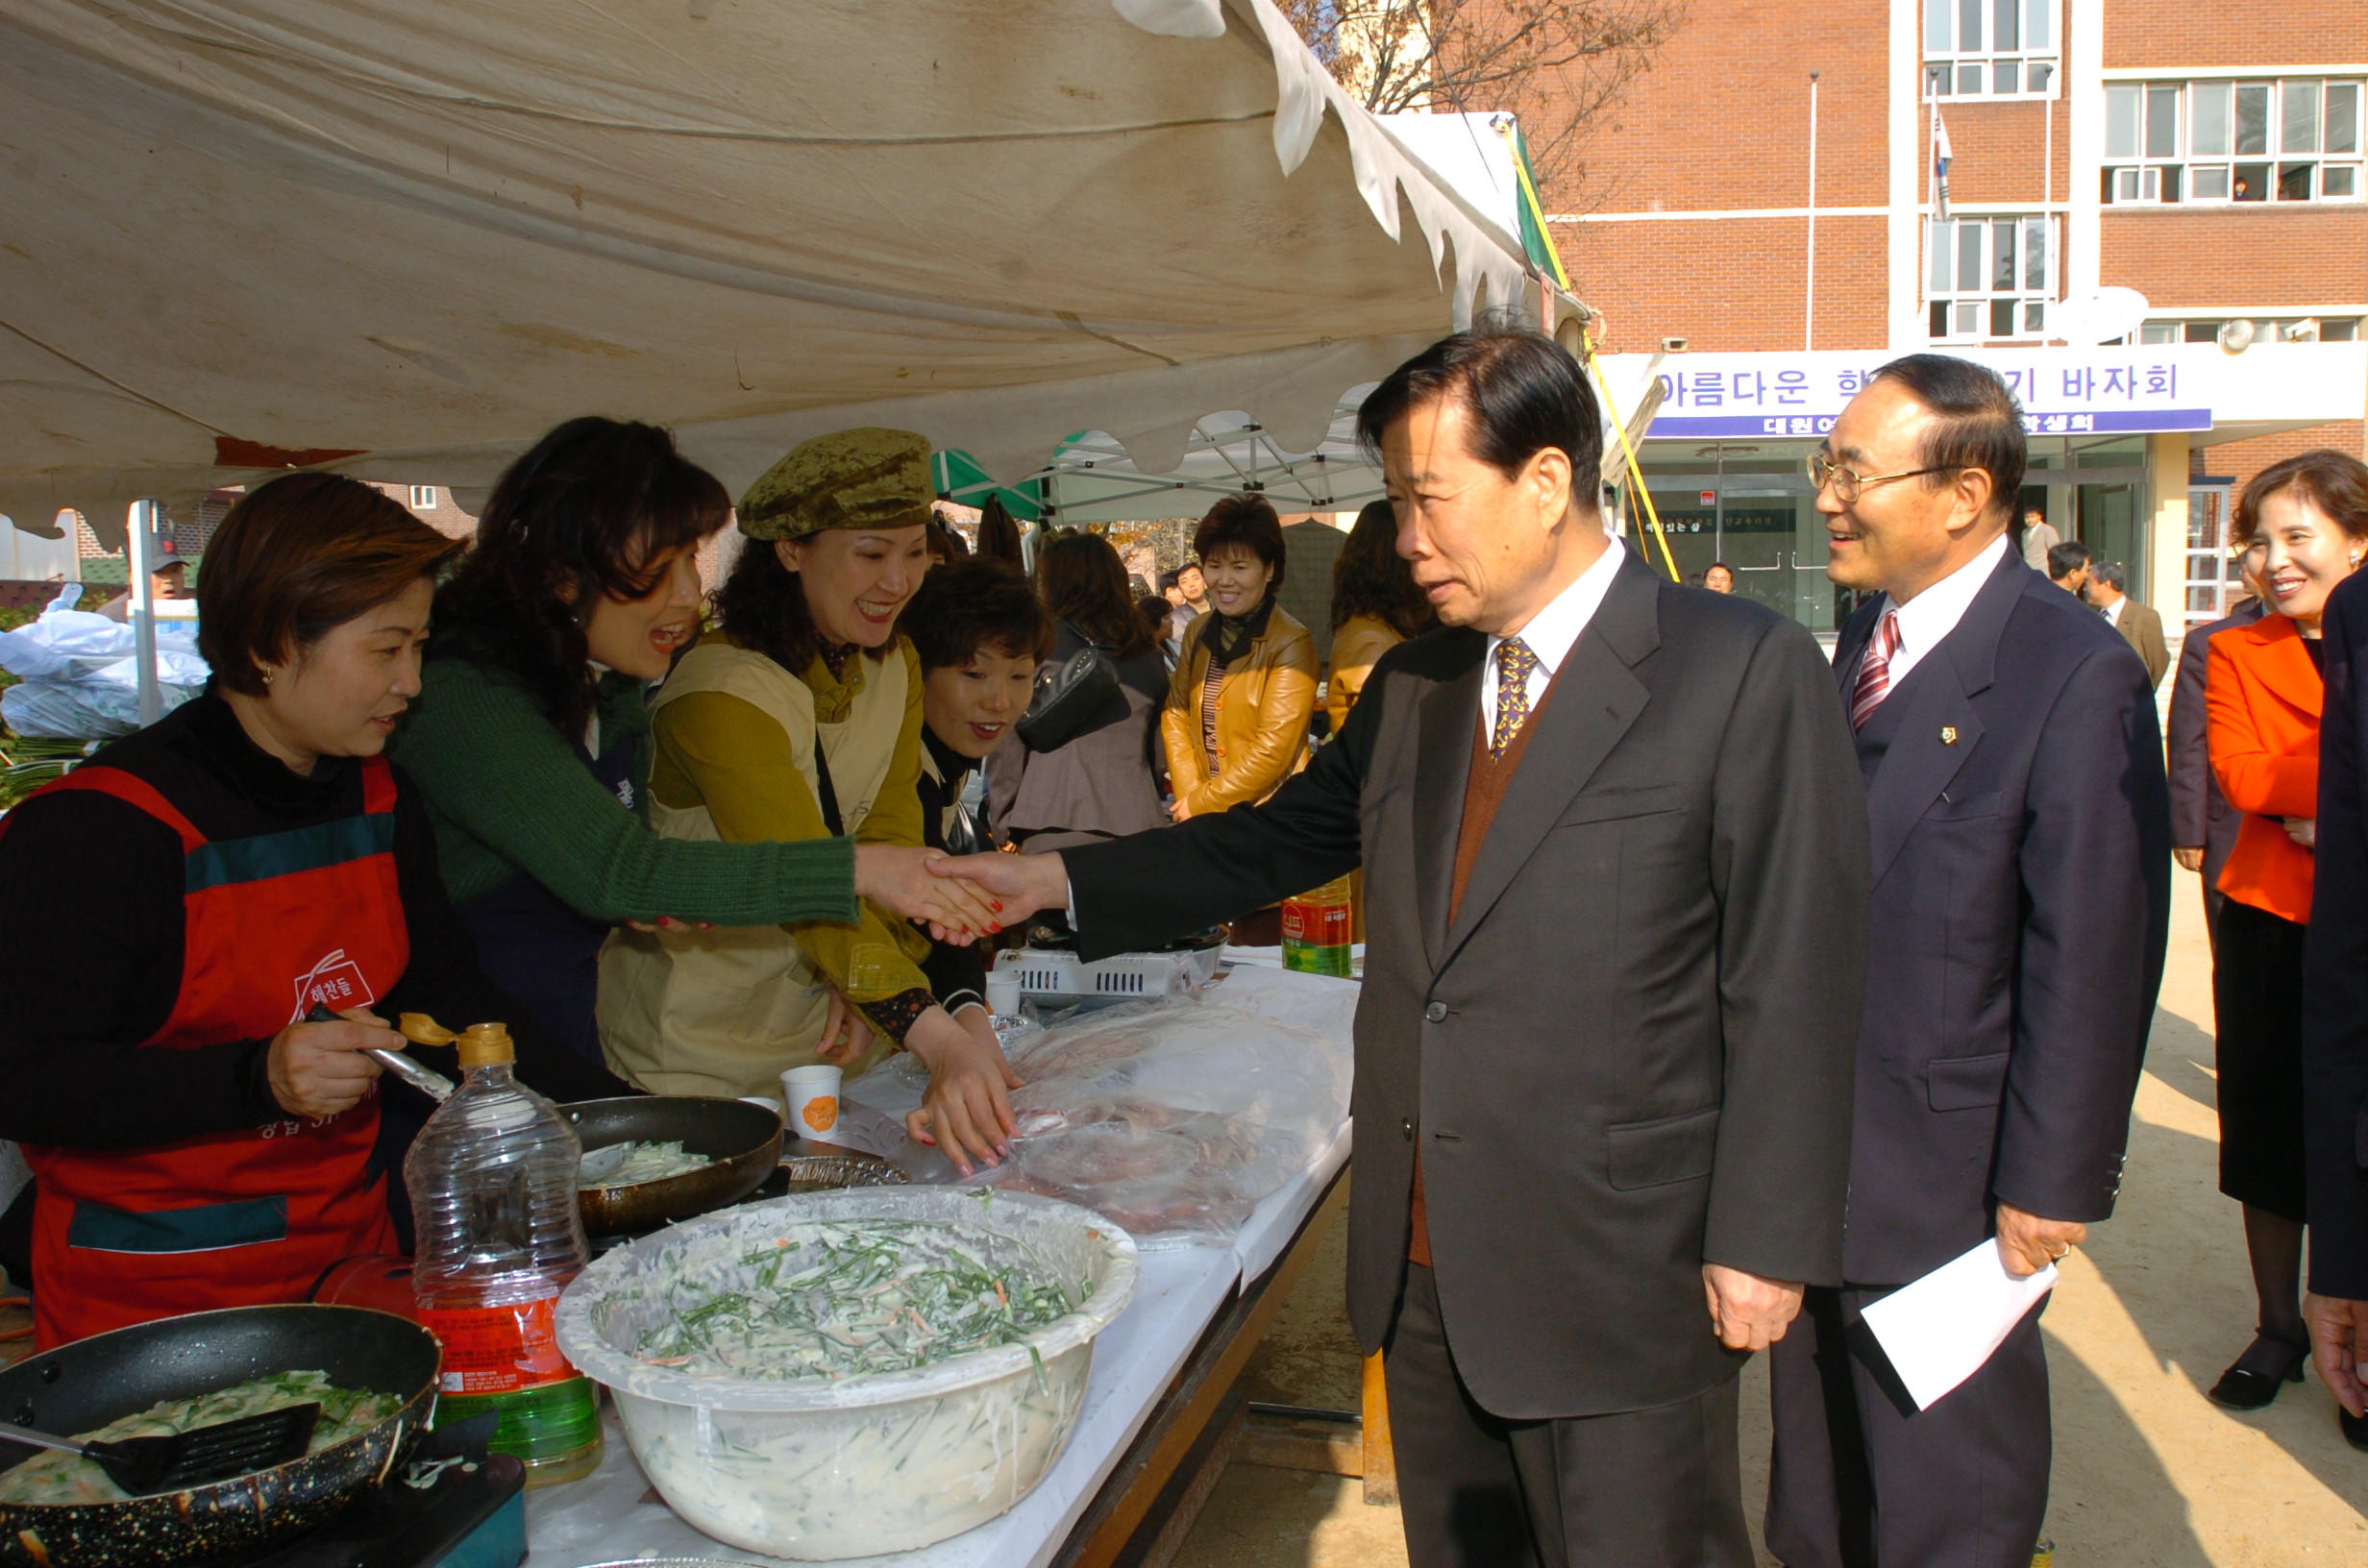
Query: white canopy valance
(404,237)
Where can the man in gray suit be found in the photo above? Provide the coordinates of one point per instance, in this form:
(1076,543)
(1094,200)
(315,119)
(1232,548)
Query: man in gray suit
(2108,593)
(1615,853)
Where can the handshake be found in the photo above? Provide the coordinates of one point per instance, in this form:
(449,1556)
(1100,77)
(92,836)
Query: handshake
(960,899)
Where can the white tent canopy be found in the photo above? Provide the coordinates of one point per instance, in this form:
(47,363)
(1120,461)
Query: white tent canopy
(246,233)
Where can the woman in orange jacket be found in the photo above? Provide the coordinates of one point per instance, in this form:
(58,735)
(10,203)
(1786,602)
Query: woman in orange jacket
(2262,689)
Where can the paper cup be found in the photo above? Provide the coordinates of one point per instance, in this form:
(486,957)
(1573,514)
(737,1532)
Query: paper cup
(1003,992)
(812,1094)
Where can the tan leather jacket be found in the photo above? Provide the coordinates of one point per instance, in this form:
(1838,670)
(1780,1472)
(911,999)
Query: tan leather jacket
(1356,646)
(1263,701)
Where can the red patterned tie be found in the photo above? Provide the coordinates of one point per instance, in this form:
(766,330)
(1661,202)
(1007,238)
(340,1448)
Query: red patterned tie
(1875,671)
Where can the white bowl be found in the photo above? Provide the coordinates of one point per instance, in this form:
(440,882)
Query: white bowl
(816,1468)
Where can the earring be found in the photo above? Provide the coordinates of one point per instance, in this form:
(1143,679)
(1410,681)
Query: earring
(266,677)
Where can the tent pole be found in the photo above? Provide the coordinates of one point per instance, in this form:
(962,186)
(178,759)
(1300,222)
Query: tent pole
(142,556)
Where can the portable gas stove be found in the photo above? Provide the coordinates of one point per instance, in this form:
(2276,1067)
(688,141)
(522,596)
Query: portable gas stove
(451,1506)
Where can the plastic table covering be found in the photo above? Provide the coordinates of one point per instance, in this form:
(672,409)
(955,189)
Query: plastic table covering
(616,1515)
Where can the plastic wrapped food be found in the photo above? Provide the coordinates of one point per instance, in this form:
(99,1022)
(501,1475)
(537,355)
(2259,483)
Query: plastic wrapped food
(1174,1120)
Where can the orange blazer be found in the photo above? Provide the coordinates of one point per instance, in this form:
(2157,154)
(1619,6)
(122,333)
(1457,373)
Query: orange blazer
(2263,695)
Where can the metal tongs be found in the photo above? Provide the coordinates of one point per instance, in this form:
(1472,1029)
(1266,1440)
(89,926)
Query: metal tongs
(418,1028)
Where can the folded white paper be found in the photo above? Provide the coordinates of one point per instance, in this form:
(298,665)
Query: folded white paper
(1938,1331)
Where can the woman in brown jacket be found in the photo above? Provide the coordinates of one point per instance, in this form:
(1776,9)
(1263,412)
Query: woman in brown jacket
(1244,686)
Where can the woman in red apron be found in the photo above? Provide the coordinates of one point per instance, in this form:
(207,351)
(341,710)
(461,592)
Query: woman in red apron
(181,902)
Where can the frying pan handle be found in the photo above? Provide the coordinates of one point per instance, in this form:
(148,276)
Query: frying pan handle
(39,1439)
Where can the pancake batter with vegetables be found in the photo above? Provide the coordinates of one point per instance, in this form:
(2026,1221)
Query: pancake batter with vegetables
(180,903)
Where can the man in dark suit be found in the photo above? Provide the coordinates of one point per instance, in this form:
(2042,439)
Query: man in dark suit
(1614,869)
(2335,1020)
(2202,825)
(2021,832)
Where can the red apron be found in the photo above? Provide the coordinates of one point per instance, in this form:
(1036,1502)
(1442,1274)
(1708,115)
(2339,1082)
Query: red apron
(274,924)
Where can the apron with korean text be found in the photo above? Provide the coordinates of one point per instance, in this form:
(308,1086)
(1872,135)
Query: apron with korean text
(275,925)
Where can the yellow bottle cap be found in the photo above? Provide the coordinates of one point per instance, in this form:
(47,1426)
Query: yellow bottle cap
(484,1045)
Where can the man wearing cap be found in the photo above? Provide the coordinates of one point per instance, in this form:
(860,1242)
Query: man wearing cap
(801,719)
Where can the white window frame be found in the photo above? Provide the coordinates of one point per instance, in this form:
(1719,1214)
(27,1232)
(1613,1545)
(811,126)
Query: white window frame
(1962,60)
(2156,154)
(1971,311)
(423,498)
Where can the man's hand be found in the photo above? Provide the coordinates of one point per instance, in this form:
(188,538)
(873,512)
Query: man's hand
(2188,857)
(967,1109)
(2028,1243)
(847,1034)
(953,907)
(2340,1344)
(317,1070)
(2303,830)
(1748,1312)
(1019,884)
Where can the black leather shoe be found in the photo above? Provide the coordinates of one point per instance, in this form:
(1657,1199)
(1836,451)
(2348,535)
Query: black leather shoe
(2354,1427)
(2241,1388)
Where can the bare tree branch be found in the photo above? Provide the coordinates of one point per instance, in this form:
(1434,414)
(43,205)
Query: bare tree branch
(1560,64)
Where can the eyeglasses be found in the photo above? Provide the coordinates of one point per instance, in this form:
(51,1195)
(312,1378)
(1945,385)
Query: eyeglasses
(1824,470)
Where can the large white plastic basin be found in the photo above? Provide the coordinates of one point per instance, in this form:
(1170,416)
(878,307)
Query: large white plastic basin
(816,1469)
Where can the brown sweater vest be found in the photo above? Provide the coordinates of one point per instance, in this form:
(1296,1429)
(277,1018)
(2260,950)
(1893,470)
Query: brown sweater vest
(1483,790)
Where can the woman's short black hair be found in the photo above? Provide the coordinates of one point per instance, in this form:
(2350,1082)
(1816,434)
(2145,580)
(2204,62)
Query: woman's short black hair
(1521,389)
(1084,583)
(1246,520)
(1976,423)
(976,605)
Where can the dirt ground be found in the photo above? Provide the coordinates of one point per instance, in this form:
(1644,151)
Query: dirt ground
(2149,1474)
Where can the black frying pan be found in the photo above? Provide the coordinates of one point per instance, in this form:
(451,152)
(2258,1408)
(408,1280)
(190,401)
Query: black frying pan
(743,1139)
(107,1376)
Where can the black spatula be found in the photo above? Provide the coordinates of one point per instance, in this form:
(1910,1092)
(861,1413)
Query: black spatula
(144,1465)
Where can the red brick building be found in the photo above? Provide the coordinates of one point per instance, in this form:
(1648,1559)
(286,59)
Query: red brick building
(2210,159)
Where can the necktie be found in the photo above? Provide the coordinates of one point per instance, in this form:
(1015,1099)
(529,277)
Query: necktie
(1514,664)
(1874,682)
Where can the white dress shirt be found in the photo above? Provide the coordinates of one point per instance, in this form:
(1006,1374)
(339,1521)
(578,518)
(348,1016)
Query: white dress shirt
(1553,631)
(1933,614)
(2112,612)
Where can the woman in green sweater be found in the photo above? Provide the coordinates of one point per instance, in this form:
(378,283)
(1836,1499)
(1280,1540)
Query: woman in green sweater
(531,740)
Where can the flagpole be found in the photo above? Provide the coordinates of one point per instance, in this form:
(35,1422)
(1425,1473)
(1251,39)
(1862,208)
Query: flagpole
(1808,307)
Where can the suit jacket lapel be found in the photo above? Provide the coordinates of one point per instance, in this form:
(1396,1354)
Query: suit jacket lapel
(1596,697)
(1937,729)
(1446,719)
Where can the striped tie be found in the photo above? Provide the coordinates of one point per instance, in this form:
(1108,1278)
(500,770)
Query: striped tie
(1514,664)
(1875,671)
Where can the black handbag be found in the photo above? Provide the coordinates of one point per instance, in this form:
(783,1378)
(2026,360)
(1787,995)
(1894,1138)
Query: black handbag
(1068,700)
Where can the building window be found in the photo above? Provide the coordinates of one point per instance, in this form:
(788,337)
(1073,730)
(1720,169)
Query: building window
(2213,142)
(423,498)
(1990,48)
(1990,276)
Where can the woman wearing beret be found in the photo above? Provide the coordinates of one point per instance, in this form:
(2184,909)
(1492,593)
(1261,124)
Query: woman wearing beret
(531,739)
(800,719)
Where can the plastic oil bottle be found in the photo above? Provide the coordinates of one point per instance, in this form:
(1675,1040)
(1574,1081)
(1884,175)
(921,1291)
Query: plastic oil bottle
(493,1199)
(1316,930)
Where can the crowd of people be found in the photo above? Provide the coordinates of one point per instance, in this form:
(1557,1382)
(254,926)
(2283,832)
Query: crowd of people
(1715,988)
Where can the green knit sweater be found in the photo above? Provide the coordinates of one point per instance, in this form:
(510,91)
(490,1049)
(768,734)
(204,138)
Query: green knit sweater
(508,794)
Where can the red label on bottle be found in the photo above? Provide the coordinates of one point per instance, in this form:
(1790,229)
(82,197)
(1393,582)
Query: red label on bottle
(1315,925)
(497,1350)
